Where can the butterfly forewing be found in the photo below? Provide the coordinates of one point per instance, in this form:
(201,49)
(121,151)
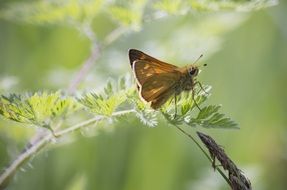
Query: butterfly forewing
(144,70)
(136,55)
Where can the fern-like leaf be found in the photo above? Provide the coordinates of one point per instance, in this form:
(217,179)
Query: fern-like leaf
(182,7)
(102,105)
(146,115)
(128,14)
(171,6)
(113,95)
(189,114)
(39,109)
(52,11)
(243,5)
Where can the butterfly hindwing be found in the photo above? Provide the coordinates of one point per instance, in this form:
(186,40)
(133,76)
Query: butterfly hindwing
(155,86)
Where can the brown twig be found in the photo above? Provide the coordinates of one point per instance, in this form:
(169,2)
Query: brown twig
(237,180)
(204,152)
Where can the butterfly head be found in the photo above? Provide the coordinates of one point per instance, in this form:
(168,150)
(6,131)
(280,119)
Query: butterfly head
(193,70)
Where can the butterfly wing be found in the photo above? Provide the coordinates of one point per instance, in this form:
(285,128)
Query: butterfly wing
(158,89)
(136,55)
(160,100)
(156,85)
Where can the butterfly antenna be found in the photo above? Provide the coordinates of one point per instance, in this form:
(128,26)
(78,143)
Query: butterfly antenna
(199,59)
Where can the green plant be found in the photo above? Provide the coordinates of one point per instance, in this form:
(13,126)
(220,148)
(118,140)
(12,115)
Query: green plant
(43,109)
(49,110)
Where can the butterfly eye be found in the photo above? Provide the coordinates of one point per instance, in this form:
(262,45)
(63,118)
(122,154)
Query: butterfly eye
(192,71)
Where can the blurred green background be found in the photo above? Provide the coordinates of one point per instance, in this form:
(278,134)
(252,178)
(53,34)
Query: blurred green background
(43,48)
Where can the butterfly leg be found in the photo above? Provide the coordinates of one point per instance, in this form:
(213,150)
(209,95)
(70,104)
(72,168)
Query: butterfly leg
(175,106)
(201,88)
(193,98)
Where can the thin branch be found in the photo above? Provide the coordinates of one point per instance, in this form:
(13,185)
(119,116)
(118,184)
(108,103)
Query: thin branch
(45,139)
(114,35)
(86,29)
(204,152)
(88,122)
(85,68)
(95,51)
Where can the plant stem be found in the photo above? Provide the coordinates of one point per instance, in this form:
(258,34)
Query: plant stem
(36,146)
(204,152)
(96,49)
(91,121)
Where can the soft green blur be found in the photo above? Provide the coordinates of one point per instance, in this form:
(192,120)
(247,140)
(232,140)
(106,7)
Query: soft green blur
(246,53)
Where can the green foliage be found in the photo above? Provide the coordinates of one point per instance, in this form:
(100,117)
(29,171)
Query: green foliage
(128,13)
(52,11)
(170,6)
(238,5)
(148,117)
(113,95)
(39,109)
(181,7)
(102,104)
(118,98)
(209,117)
(42,108)
(143,112)
(189,114)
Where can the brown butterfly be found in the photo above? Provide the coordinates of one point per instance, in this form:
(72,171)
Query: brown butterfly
(157,81)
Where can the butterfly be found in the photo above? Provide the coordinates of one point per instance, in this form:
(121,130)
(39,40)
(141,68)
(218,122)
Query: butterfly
(157,81)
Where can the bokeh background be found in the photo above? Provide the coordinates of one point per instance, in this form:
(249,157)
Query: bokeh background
(44,44)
